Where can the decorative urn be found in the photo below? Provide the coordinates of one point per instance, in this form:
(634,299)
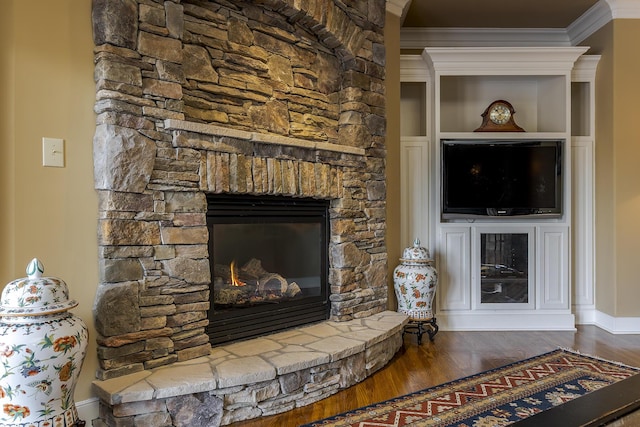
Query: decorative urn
(415,281)
(42,347)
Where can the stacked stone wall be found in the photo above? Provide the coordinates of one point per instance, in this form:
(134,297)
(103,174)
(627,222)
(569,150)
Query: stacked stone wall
(264,97)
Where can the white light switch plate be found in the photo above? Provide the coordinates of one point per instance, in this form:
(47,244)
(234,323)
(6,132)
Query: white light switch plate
(53,152)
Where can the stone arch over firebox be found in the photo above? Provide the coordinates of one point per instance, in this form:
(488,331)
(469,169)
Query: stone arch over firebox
(212,96)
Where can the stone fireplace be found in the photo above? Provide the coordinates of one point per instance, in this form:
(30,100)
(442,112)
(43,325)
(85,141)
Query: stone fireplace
(273,98)
(244,98)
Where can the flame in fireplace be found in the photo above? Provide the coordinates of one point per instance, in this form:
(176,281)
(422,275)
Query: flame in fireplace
(234,276)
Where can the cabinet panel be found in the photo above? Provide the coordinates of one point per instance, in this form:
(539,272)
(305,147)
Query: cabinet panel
(454,291)
(553,268)
(415,171)
(582,222)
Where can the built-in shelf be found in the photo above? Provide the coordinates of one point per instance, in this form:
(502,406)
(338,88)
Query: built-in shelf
(551,90)
(413,107)
(580,116)
(534,80)
(539,101)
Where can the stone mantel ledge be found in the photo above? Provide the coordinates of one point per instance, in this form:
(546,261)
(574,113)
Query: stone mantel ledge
(265,138)
(253,361)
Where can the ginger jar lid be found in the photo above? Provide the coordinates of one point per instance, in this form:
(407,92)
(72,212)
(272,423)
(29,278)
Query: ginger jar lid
(416,253)
(35,295)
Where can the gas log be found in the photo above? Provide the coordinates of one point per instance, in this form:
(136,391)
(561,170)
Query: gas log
(250,284)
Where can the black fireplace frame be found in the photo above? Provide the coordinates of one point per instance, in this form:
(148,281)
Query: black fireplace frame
(263,319)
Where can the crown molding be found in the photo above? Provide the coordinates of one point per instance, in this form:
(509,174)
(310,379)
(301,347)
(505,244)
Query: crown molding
(509,60)
(585,68)
(418,38)
(591,21)
(398,7)
(413,68)
(624,9)
(601,13)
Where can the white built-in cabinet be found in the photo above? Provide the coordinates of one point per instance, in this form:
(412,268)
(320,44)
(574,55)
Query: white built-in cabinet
(443,93)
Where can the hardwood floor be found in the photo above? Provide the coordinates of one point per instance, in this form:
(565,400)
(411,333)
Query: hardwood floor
(454,355)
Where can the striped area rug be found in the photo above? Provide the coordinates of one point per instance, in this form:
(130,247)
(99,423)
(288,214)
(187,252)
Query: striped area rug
(494,398)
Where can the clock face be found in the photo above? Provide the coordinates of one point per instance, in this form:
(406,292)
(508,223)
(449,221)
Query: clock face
(500,114)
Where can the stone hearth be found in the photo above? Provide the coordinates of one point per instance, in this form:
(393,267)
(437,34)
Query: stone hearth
(260,377)
(270,97)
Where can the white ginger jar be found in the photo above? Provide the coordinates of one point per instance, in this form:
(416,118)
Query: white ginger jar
(415,280)
(42,347)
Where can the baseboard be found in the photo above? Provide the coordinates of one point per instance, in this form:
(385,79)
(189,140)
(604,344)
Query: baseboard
(585,315)
(617,325)
(88,410)
(588,315)
(504,320)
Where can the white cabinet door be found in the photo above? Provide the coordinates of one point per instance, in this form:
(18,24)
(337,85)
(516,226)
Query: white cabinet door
(553,268)
(454,283)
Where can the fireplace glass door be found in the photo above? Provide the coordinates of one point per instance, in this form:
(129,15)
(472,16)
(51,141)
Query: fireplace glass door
(268,259)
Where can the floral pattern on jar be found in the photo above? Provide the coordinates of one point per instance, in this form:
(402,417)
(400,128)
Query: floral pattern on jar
(415,281)
(40,355)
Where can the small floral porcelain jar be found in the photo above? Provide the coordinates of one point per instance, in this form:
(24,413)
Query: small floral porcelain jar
(415,281)
(42,347)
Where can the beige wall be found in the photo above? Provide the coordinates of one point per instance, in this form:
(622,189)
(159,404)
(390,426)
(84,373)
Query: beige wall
(392,81)
(626,137)
(48,91)
(617,170)
(7,170)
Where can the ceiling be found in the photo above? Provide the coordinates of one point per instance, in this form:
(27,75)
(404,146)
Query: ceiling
(495,13)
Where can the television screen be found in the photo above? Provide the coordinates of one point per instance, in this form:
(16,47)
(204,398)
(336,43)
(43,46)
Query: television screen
(501,178)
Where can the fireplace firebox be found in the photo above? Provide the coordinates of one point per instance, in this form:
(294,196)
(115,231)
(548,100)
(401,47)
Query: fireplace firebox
(269,261)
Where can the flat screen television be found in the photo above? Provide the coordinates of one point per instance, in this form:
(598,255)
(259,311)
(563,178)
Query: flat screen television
(500,178)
